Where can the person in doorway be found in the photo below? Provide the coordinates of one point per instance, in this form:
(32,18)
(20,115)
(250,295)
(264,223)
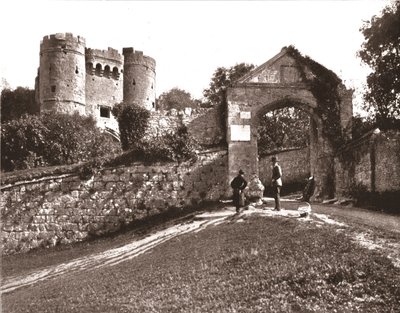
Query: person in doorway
(309,188)
(276,182)
(238,184)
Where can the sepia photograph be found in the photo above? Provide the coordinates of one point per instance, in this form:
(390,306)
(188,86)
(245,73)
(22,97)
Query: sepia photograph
(200,156)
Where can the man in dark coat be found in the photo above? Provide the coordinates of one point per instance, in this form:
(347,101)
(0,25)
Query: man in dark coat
(238,184)
(309,189)
(276,182)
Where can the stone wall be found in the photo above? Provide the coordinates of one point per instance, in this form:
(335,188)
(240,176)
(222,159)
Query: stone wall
(295,166)
(62,209)
(204,125)
(371,163)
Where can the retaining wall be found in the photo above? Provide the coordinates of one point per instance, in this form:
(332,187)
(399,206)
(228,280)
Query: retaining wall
(62,209)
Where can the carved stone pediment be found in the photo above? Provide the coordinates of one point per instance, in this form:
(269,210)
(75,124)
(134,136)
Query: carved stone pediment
(281,69)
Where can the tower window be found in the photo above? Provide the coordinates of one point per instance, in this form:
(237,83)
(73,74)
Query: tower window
(107,71)
(134,82)
(115,73)
(98,70)
(53,88)
(76,70)
(105,111)
(89,68)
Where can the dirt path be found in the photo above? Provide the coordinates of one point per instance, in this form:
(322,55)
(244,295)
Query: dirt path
(361,216)
(322,216)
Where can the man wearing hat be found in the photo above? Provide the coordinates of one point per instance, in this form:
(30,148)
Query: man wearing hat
(238,184)
(276,182)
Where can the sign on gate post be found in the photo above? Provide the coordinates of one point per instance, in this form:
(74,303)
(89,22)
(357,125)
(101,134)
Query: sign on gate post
(240,132)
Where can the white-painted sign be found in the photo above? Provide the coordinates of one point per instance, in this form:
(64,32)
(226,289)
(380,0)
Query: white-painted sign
(245,115)
(240,132)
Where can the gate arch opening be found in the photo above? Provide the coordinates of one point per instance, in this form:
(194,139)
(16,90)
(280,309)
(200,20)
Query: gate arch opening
(286,129)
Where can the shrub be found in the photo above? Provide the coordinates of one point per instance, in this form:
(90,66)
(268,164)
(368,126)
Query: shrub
(181,145)
(52,139)
(22,143)
(75,138)
(133,122)
(175,146)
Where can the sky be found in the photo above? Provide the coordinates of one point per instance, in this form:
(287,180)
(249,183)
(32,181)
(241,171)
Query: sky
(190,39)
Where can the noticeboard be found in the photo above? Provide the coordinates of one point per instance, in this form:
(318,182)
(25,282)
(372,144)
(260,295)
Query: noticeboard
(240,132)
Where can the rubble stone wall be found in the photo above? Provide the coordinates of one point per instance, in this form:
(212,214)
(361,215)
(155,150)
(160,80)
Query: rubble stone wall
(295,166)
(371,163)
(62,209)
(203,124)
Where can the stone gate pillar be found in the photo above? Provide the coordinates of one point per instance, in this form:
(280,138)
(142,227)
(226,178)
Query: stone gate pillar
(321,161)
(242,146)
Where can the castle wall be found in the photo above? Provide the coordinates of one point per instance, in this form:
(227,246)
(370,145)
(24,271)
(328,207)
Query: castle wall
(62,73)
(62,209)
(139,78)
(104,85)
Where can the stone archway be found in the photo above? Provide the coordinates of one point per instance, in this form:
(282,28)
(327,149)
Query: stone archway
(275,84)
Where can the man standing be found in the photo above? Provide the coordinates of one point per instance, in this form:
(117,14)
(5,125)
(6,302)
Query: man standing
(276,182)
(238,184)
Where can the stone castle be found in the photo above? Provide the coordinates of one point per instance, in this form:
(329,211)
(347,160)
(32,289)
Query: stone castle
(72,77)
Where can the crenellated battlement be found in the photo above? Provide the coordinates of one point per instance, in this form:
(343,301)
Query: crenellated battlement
(63,41)
(110,55)
(73,77)
(137,57)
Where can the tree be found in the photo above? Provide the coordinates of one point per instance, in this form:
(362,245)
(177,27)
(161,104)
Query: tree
(176,99)
(4,84)
(133,122)
(361,125)
(381,51)
(215,95)
(222,79)
(15,103)
(283,129)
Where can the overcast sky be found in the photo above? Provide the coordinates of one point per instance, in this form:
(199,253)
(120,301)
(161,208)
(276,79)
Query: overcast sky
(190,39)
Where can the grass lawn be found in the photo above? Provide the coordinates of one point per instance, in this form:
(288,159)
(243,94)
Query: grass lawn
(262,264)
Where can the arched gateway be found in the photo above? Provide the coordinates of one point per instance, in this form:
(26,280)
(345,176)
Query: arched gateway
(289,80)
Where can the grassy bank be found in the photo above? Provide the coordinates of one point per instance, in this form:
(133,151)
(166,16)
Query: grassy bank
(262,264)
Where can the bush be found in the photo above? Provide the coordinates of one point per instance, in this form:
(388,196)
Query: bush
(52,139)
(176,146)
(23,142)
(133,122)
(181,145)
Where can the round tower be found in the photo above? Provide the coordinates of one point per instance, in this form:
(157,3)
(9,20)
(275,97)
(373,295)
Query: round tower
(62,73)
(139,78)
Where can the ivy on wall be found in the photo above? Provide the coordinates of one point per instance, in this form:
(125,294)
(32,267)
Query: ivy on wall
(324,85)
